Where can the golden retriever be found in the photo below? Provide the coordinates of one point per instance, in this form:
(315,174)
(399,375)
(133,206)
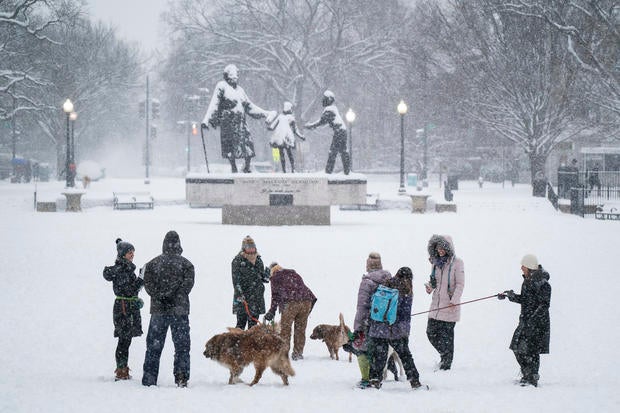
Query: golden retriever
(260,345)
(333,336)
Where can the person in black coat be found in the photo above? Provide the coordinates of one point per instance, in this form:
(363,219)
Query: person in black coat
(531,337)
(168,279)
(127,304)
(248,276)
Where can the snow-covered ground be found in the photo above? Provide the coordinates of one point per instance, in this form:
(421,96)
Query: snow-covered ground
(57,348)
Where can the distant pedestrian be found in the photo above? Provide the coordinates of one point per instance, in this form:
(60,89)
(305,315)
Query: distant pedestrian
(531,337)
(168,279)
(127,304)
(375,275)
(381,335)
(248,277)
(285,130)
(295,300)
(446,283)
(594,180)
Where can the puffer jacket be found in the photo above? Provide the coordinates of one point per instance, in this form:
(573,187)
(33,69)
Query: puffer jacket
(248,281)
(533,332)
(449,281)
(169,278)
(126,309)
(368,285)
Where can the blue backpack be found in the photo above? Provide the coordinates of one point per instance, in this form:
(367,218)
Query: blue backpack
(383,305)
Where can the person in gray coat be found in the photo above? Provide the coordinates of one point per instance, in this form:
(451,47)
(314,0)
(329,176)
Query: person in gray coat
(168,279)
(374,276)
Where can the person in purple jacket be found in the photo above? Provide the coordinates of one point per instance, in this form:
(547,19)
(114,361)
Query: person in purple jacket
(295,300)
(381,335)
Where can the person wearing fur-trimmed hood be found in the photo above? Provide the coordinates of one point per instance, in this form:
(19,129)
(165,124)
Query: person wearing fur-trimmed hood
(248,277)
(447,281)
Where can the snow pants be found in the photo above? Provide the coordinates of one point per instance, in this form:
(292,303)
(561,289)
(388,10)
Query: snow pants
(378,353)
(155,340)
(441,335)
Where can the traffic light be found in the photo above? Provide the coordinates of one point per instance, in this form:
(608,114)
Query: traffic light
(141,109)
(155,108)
(153,131)
(194,129)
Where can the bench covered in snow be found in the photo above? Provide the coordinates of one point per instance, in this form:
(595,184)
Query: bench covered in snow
(133,200)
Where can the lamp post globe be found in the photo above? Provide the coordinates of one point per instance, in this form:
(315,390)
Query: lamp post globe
(350,116)
(67,107)
(402,110)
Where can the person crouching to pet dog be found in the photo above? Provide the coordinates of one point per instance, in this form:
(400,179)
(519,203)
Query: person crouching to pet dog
(127,305)
(248,276)
(381,335)
(295,300)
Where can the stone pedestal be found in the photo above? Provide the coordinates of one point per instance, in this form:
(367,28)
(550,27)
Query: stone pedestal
(418,203)
(74,199)
(275,199)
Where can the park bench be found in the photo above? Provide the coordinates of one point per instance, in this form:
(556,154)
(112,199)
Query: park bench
(133,200)
(611,213)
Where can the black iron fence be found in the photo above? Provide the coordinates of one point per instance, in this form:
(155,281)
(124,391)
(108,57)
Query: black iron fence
(589,191)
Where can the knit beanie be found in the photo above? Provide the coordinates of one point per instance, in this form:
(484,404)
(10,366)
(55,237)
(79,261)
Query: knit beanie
(373,262)
(123,247)
(247,242)
(530,261)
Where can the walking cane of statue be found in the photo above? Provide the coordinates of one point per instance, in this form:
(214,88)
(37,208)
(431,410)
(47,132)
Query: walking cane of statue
(204,147)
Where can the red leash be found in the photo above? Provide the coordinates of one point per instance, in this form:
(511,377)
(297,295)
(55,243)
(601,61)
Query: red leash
(464,302)
(247,310)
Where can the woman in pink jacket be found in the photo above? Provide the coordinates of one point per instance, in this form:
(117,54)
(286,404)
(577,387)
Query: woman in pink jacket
(447,281)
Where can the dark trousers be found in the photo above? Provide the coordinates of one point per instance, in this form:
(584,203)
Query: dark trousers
(233,165)
(529,364)
(122,351)
(441,335)
(339,146)
(291,158)
(244,319)
(378,352)
(155,339)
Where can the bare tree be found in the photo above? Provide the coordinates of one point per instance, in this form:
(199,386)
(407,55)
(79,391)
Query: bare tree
(520,80)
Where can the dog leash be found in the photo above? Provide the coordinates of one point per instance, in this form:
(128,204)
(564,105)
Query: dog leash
(454,305)
(247,310)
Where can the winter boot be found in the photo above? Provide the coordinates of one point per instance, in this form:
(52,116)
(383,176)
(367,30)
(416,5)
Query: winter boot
(180,379)
(122,373)
(362,384)
(375,383)
(416,385)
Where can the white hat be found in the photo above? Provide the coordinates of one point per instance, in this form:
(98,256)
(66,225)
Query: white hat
(530,261)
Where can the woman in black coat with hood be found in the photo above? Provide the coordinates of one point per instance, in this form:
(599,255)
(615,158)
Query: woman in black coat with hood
(127,305)
(531,337)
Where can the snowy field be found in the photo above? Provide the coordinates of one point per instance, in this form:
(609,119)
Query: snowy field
(57,347)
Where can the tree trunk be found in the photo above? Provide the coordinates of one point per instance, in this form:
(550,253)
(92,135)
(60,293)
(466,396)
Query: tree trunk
(539,180)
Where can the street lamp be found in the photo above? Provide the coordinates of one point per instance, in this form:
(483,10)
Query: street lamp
(70,182)
(350,115)
(73,116)
(191,103)
(402,110)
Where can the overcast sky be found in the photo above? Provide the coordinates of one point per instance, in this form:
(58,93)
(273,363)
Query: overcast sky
(136,20)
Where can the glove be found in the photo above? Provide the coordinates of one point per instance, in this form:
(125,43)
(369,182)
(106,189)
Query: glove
(510,294)
(240,299)
(141,273)
(204,126)
(501,296)
(139,303)
(269,316)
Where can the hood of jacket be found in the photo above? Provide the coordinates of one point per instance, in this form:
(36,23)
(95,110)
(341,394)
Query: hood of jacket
(444,241)
(172,243)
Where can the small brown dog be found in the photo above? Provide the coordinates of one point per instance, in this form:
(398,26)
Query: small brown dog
(333,336)
(260,345)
